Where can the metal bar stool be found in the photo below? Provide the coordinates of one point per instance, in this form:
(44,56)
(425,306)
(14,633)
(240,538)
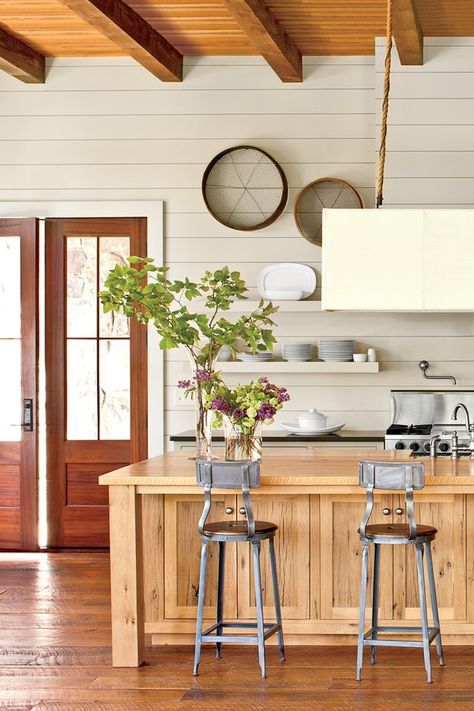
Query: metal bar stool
(230,475)
(400,477)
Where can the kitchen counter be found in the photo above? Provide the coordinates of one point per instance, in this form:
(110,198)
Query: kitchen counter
(280,467)
(314,498)
(284,436)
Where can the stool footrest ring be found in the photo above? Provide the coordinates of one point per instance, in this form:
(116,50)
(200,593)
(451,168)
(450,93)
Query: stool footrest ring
(208,636)
(370,641)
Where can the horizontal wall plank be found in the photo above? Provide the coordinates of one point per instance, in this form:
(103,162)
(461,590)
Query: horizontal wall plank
(202,78)
(348,101)
(42,118)
(182,200)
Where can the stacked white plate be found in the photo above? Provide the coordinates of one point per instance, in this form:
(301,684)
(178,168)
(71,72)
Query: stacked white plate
(296,352)
(259,356)
(340,350)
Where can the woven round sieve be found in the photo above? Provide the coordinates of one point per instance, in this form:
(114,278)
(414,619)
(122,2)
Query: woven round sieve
(244,188)
(325,192)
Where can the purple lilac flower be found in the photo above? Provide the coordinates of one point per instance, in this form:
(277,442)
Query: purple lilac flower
(202,375)
(266,411)
(283,395)
(184,384)
(239,414)
(220,405)
(263,379)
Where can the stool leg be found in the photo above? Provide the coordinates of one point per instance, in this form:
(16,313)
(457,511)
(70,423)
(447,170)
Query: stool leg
(202,586)
(375,599)
(434,601)
(363,598)
(276,596)
(423,609)
(220,595)
(259,603)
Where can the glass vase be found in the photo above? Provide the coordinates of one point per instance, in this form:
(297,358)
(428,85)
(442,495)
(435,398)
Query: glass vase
(203,426)
(242,445)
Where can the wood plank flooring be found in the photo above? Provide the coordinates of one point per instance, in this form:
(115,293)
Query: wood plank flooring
(55,656)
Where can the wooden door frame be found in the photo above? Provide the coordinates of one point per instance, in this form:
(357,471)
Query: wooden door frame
(27,231)
(59,450)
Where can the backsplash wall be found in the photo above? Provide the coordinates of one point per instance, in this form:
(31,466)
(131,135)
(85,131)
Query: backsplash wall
(106,128)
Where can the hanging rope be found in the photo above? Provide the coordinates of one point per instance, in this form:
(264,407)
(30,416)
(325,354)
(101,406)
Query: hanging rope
(386,92)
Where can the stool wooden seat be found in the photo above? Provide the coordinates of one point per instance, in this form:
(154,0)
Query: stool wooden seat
(238,528)
(396,530)
(231,475)
(398,476)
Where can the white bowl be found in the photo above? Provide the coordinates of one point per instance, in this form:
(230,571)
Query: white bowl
(359,357)
(312,420)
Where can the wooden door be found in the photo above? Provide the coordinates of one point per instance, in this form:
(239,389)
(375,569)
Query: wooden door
(182,557)
(292,548)
(447,512)
(18,359)
(340,517)
(96,376)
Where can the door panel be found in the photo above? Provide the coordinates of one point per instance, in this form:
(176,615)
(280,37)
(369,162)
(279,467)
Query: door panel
(182,557)
(341,557)
(292,549)
(447,513)
(18,356)
(96,377)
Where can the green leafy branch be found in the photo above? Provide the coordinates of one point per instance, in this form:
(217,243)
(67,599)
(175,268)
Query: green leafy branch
(143,291)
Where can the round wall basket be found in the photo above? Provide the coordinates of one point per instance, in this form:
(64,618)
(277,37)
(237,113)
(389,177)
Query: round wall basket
(244,188)
(325,192)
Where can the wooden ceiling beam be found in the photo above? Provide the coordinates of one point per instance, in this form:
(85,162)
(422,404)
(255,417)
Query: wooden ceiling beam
(20,60)
(128,30)
(407,32)
(269,37)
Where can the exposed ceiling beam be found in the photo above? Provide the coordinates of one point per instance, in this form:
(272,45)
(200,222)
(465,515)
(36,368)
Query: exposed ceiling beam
(269,37)
(407,32)
(20,60)
(129,31)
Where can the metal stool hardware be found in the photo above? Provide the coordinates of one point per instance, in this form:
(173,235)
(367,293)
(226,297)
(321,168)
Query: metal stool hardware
(408,478)
(229,510)
(246,476)
(385,511)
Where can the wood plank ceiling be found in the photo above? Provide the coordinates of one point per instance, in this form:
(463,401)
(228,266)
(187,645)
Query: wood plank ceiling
(200,27)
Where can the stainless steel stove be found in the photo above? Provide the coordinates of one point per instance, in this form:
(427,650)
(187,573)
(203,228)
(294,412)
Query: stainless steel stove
(418,415)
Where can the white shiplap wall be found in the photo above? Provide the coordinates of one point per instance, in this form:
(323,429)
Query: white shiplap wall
(107,129)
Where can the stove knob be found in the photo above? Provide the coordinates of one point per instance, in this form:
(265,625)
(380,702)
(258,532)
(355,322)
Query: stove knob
(427,447)
(399,445)
(414,446)
(444,447)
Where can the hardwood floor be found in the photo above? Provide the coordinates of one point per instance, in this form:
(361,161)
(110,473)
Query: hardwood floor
(55,655)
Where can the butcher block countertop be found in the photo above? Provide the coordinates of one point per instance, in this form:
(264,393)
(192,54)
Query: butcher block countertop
(305,470)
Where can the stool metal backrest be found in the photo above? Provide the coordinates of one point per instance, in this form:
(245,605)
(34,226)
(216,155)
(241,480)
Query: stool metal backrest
(391,476)
(228,475)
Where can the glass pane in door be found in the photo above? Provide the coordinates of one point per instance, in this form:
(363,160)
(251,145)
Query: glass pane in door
(10,338)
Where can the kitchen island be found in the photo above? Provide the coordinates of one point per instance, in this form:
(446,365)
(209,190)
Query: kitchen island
(315,499)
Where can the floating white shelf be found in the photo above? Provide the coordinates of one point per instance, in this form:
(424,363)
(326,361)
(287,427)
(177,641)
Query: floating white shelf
(286,367)
(247,305)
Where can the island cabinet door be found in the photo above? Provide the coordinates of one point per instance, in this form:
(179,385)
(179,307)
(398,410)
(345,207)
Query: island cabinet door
(340,551)
(447,512)
(291,513)
(182,554)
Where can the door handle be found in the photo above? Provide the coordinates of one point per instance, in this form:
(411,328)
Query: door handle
(27,423)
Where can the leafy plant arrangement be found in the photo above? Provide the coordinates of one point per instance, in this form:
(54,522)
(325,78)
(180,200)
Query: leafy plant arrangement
(242,411)
(143,291)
